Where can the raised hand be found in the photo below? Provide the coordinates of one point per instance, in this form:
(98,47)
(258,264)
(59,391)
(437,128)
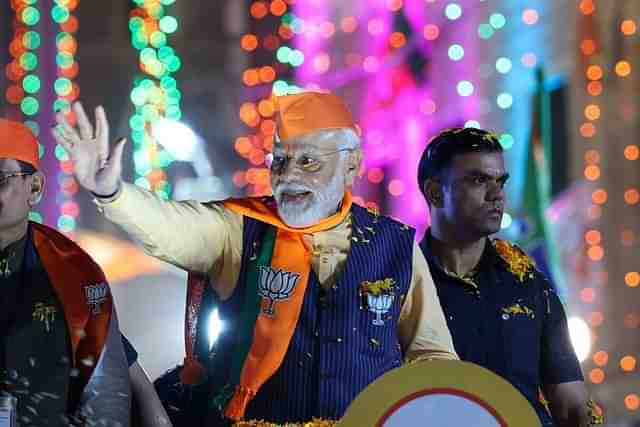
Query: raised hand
(96,168)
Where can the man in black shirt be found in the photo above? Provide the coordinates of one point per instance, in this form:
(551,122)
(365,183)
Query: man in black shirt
(501,311)
(61,354)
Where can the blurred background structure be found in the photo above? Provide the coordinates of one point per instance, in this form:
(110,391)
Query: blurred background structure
(189,83)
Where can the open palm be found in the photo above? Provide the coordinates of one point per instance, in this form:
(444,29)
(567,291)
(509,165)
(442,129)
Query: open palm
(96,168)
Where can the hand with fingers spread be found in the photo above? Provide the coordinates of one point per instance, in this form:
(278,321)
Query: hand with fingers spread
(97,168)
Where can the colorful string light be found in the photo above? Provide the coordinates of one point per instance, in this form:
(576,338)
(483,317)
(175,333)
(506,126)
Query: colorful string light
(22,94)
(67,91)
(155,94)
(258,114)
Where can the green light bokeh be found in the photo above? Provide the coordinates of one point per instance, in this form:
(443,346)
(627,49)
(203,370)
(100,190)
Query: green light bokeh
(168,24)
(61,153)
(64,60)
(31,40)
(60,14)
(30,106)
(497,20)
(158,39)
(173,63)
(136,122)
(138,96)
(485,31)
(136,23)
(168,82)
(30,16)
(62,86)
(61,105)
(31,83)
(29,61)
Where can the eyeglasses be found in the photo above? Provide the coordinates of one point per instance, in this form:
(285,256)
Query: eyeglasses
(5,175)
(306,162)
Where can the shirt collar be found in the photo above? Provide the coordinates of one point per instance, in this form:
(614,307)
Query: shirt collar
(490,257)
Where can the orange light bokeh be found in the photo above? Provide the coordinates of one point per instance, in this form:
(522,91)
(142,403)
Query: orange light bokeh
(593,237)
(628,27)
(595,253)
(250,77)
(623,68)
(592,156)
(594,88)
(596,376)
(596,318)
(259,10)
(266,108)
(268,128)
(249,42)
(632,279)
(588,46)
(599,196)
(592,112)
(632,402)
(592,172)
(632,196)
(239,179)
(594,72)
(627,237)
(601,358)
(271,42)
(587,7)
(588,130)
(267,74)
(278,7)
(628,363)
(397,40)
(631,152)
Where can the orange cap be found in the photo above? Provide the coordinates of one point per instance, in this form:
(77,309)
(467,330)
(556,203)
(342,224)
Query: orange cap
(17,142)
(308,112)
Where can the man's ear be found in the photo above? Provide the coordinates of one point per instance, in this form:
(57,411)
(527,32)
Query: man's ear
(37,182)
(353,166)
(432,188)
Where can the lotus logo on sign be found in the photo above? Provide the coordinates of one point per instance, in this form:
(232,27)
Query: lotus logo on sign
(275,285)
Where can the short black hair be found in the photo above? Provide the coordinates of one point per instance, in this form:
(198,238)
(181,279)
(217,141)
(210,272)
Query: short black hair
(26,167)
(449,143)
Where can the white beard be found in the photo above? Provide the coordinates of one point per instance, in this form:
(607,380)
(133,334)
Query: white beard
(318,206)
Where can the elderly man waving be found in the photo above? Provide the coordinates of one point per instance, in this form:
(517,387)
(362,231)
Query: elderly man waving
(320,296)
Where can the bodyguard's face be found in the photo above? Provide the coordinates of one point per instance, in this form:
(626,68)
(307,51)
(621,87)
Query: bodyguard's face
(15,195)
(473,193)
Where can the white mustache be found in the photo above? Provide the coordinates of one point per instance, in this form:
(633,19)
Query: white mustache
(291,188)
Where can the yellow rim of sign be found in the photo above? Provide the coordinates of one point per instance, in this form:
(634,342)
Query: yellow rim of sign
(382,397)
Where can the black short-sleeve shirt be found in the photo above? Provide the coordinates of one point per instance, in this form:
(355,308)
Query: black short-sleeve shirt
(507,318)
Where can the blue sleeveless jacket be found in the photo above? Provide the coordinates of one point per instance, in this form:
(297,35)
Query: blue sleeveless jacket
(341,343)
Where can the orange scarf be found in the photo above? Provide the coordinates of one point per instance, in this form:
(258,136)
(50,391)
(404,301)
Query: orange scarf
(71,271)
(273,332)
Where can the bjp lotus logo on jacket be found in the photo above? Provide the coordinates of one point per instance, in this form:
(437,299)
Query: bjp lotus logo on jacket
(275,285)
(379,296)
(96,295)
